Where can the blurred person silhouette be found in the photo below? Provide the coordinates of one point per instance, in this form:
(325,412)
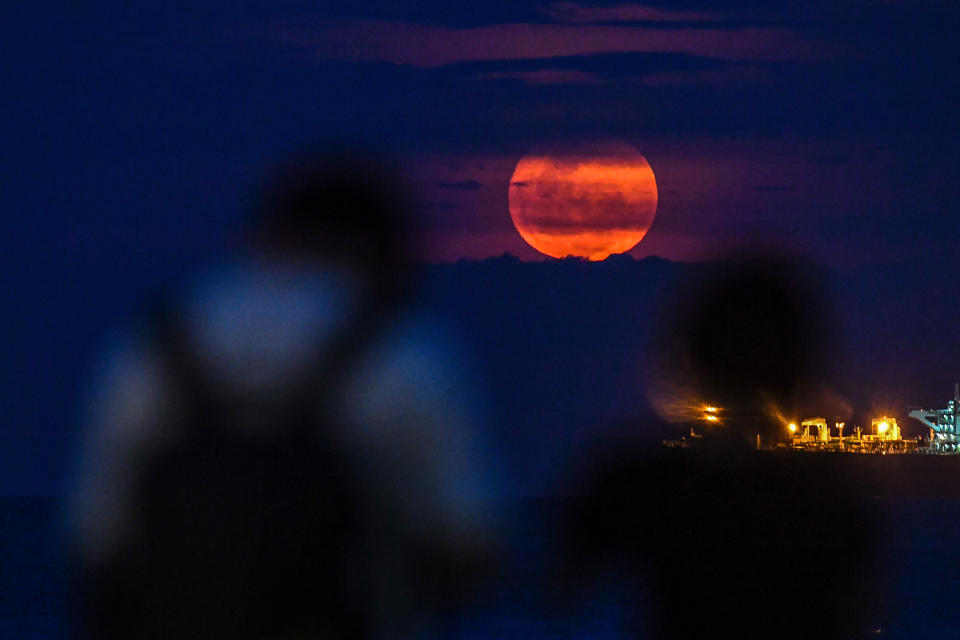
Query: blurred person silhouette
(282,450)
(722,539)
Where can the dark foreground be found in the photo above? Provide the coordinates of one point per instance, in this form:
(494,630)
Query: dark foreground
(918,573)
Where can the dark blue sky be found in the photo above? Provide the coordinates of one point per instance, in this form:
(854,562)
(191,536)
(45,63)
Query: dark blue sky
(134,137)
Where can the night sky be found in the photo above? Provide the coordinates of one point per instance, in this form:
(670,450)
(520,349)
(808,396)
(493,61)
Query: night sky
(135,136)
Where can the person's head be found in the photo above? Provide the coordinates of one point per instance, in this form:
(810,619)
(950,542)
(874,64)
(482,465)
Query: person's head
(346,208)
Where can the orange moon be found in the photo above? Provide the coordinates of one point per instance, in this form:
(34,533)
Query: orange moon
(588,202)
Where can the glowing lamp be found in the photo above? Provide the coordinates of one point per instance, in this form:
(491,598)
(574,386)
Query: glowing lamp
(882,427)
(793,427)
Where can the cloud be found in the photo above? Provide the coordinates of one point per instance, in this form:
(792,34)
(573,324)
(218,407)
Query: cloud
(574,13)
(737,75)
(543,76)
(774,188)
(427,46)
(464,185)
(829,160)
(442,206)
(560,207)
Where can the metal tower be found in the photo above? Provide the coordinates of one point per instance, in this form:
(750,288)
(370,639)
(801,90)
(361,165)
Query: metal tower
(944,424)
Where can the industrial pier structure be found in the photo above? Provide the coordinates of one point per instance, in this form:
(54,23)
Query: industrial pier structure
(943,424)
(884,437)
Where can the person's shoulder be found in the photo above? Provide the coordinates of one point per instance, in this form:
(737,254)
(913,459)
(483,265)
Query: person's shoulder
(417,346)
(416,369)
(127,381)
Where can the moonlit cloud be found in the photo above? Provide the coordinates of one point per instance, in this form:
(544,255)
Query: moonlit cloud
(427,46)
(590,202)
(543,76)
(712,195)
(774,188)
(573,12)
(468,185)
(731,76)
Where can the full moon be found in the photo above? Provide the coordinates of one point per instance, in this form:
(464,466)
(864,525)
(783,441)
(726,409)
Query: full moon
(587,202)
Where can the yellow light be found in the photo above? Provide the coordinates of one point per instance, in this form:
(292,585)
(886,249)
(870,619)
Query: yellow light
(710,409)
(793,427)
(711,418)
(882,427)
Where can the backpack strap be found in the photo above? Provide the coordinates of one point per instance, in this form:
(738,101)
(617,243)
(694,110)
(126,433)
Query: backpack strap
(313,394)
(213,503)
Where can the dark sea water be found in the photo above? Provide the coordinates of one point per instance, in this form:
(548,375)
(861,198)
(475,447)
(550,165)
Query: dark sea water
(919,569)
(32,570)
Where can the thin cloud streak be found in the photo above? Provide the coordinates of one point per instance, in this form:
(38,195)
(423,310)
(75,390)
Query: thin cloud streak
(466,185)
(543,76)
(734,76)
(574,13)
(427,46)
